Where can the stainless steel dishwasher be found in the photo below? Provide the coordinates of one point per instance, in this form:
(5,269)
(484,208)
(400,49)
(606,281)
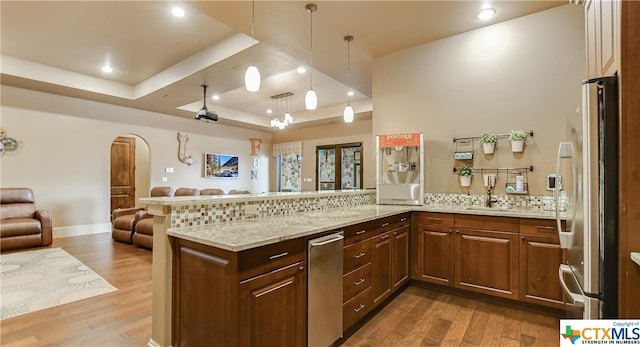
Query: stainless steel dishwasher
(324,317)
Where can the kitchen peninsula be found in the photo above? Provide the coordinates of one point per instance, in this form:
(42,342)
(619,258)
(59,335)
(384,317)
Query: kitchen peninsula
(249,237)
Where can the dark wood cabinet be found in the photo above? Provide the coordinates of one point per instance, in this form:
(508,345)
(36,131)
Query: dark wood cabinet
(400,257)
(255,297)
(487,262)
(434,248)
(272,308)
(486,255)
(540,256)
(381,254)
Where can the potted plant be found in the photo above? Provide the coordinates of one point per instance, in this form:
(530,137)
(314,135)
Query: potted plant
(517,138)
(488,141)
(465,173)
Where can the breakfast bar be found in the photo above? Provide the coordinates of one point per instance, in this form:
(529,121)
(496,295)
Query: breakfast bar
(236,233)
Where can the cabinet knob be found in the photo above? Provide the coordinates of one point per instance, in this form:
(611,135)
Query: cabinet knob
(450,231)
(522,237)
(457,231)
(301,268)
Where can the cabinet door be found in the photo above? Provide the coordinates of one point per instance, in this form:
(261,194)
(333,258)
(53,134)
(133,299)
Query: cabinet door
(435,254)
(381,261)
(540,257)
(487,262)
(602,37)
(400,260)
(272,308)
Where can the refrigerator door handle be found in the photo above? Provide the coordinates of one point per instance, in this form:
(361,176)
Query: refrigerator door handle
(565,151)
(577,298)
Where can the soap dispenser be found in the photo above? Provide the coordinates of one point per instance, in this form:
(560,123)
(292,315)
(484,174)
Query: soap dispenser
(467,200)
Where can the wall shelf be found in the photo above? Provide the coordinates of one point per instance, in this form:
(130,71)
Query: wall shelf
(472,138)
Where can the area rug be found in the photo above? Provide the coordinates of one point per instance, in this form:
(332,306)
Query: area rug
(39,279)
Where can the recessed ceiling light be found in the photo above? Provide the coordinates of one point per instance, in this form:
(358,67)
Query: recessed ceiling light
(350,93)
(301,70)
(177,11)
(107,68)
(486,13)
(215,97)
(269,111)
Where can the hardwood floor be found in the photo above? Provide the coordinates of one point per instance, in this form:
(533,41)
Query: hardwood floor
(416,317)
(423,317)
(120,318)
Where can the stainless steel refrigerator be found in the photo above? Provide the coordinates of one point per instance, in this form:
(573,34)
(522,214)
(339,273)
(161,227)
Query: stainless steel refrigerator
(590,159)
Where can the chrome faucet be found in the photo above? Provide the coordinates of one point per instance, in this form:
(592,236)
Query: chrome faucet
(490,184)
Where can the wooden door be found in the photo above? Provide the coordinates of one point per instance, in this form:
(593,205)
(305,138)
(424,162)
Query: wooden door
(540,257)
(435,254)
(273,308)
(123,172)
(381,261)
(487,262)
(400,261)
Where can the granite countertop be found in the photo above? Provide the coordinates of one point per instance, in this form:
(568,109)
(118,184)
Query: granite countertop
(250,233)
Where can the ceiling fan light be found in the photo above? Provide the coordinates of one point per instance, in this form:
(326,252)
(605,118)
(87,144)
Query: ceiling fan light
(311,100)
(252,79)
(347,115)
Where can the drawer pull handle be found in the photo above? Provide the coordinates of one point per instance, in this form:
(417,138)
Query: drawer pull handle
(357,283)
(384,225)
(357,256)
(360,232)
(545,227)
(435,219)
(356,310)
(403,219)
(384,236)
(278,256)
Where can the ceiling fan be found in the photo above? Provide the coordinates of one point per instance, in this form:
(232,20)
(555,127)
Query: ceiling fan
(204,114)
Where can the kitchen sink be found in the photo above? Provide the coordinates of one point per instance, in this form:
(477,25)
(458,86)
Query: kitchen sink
(485,209)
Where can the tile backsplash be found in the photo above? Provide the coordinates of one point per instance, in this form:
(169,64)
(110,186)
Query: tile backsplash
(503,201)
(211,211)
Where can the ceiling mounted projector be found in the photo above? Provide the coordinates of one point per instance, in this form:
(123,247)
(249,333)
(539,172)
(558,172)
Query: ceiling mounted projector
(204,114)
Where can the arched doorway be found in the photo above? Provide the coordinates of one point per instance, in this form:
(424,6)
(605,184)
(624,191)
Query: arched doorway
(130,170)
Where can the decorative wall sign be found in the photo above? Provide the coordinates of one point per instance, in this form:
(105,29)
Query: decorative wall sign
(182,149)
(255,145)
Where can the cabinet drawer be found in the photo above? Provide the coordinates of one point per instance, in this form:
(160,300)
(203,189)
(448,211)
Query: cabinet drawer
(358,232)
(532,226)
(508,224)
(272,256)
(356,255)
(431,218)
(392,222)
(356,308)
(356,282)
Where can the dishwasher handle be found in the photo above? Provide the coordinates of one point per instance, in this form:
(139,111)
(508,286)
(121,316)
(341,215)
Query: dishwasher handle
(321,241)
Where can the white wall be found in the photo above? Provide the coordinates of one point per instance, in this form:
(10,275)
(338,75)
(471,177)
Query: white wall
(520,74)
(65,144)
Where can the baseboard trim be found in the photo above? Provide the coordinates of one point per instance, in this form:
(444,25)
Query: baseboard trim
(77,230)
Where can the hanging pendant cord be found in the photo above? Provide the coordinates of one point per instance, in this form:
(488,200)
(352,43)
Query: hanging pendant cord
(311,52)
(253,10)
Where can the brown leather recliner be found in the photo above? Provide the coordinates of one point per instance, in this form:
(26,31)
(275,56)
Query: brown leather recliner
(123,220)
(143,229)
(236,191)
(211,191)
(21,225)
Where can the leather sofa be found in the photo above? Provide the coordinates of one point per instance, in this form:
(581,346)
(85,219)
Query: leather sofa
(123,220)
(21,225)
(143,228)
(211,191)
(236,192)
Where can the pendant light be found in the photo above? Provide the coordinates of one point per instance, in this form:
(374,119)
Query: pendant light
(311,99)
(252,76)
(347,114)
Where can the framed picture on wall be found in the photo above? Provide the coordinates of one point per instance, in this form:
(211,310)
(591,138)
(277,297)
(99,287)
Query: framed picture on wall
(220,165)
